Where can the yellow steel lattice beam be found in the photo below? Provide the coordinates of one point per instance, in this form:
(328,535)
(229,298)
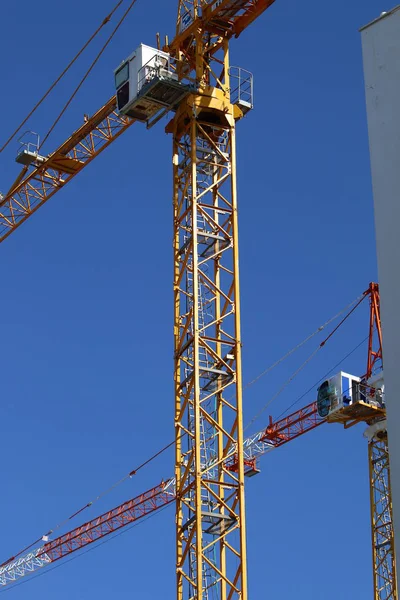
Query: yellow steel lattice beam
(383,549)
(49,174)
(210,516)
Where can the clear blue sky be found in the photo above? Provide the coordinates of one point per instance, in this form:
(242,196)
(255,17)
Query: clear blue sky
(87,389)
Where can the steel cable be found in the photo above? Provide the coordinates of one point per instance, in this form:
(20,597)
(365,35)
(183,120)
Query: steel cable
(82,81)
(322,378)
(106,20)
(355,302)
(89,504)
(109,539)
(90,549)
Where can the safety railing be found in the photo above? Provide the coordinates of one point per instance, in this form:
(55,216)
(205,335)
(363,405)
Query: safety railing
(241,86)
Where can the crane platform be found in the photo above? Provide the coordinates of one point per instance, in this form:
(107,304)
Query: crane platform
(359,412)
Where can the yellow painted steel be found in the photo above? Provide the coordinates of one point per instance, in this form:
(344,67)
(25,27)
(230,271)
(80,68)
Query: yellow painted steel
(210,508)
(31,191)
(383,548)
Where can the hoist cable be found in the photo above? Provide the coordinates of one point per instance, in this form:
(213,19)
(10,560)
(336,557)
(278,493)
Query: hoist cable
(305,363)
(82,81)
(322,378)
(89,504)
(281,389)
(90,549)
(355,302)
(67,68)
(108,539)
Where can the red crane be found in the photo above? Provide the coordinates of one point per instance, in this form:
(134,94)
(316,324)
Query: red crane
(274,435)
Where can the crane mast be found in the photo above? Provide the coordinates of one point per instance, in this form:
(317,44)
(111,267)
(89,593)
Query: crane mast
(210,514)
(210,507)
(383,550)
(276,434)
(211,459)
(49,174)
(382,529)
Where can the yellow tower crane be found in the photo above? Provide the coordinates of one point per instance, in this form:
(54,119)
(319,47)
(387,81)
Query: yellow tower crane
(343,398)
(193,78)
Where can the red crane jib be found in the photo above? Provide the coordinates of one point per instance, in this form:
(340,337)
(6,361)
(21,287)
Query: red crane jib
(111,521)
(294,425)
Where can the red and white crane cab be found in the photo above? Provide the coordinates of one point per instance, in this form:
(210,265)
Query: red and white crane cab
(349,400)
(338,392)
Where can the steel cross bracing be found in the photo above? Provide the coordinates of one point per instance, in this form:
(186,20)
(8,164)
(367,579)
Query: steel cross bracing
(113,520)
(90,532)
(255,446)
(23,566)
(385,585)
(290,427)
(208,454)
(210,457)
(210,514)
(50,174)
(211,554)
(224,18)
(46,175)
(375,331)
(276,434)
(210,498)
(383,543)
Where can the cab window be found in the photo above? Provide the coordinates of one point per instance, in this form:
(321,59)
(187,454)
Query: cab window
(122,75)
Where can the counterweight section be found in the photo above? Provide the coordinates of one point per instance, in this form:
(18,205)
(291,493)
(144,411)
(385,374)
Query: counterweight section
(211,555)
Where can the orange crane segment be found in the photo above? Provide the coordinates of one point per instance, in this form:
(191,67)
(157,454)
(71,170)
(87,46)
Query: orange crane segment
(224,18)
(51,173)
(221,17)
(210,515)
(374,354)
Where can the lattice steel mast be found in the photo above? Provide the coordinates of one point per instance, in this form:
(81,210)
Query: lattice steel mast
(384,564)
(210,518)
(383,546)
(276,434)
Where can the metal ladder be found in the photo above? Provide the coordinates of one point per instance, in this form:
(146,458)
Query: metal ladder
(204,363)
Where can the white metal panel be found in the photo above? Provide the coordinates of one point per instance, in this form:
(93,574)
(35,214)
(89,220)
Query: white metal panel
(144,55)
(134,66)
(381,56)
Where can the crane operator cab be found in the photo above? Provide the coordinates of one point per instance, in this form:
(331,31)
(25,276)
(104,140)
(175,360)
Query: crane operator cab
(345,398)
(148,86)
